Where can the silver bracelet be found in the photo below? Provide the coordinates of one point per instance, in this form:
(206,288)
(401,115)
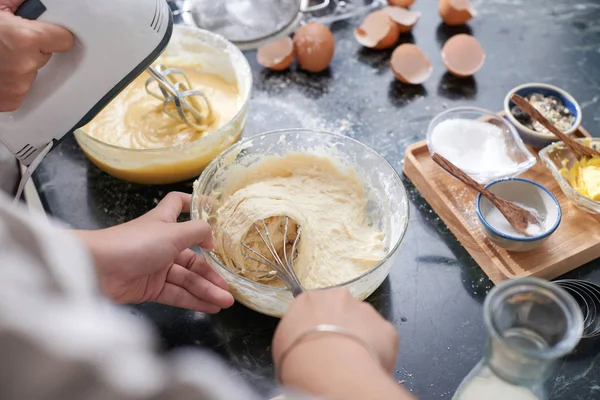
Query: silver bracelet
(325,329)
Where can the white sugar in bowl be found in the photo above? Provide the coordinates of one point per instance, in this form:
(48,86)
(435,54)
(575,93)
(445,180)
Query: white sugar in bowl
(482,144)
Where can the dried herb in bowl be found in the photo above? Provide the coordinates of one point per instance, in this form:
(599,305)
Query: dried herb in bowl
(551,107)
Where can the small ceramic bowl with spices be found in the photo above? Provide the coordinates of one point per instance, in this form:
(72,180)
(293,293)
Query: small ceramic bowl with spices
(579,180)
(527,194)
(479,142)
(555,103)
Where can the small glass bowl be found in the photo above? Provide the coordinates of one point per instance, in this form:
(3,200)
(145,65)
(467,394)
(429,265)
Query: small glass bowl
(387,207)
(213,54)
(553,156)
(517,150)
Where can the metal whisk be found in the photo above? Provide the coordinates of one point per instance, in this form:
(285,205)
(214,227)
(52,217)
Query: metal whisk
(175,91)
(282,268)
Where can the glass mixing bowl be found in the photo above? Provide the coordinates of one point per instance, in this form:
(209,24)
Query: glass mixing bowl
(387,207)
(213,54)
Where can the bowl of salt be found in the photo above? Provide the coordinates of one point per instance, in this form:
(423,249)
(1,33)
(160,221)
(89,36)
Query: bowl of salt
(526,194)
(484,145)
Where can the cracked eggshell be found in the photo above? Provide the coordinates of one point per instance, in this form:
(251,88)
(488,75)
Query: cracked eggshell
(410,64)
(276,56)
(377,31)
(463,55)
(401,3)
(456,12)
(314,46)
(405,19)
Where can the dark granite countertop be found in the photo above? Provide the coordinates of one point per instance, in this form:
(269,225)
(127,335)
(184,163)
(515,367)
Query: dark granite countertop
(435,291)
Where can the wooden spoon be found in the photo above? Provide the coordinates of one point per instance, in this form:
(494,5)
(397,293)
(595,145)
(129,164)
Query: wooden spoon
(578,149)
(518,217)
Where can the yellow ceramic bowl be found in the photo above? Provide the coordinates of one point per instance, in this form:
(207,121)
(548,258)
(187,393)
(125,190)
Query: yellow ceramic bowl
(181,162)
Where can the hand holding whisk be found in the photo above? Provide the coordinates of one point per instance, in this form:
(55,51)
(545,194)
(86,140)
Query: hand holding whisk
(281,266)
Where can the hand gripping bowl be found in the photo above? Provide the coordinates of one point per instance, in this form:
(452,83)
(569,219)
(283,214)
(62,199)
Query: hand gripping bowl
(387,207)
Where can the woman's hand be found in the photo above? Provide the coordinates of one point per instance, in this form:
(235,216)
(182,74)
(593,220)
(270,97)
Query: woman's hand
(148,259)
(25,47)
(337,307)
(330,364)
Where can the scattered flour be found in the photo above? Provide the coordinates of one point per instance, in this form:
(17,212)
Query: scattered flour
(293,111)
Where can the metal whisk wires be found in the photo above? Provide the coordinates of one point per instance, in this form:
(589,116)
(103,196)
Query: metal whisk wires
(180,101)
(283,267)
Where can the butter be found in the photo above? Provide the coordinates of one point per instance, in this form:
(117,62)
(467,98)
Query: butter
(584,177)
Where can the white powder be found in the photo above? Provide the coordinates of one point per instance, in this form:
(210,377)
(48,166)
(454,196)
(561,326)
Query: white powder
(473,146)
(495,218)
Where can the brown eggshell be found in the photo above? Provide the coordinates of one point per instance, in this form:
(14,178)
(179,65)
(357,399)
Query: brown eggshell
(276,56)
(405,19)
(410,65)
(314,46)
(455,12)
(463,55)
(401,3)
(377,31)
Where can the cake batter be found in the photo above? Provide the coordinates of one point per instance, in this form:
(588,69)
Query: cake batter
(337,242)
(135,119)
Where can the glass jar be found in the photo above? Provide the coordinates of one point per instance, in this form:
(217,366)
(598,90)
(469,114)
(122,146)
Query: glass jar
(531,324)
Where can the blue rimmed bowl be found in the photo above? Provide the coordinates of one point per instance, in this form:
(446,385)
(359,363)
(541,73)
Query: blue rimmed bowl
(523,192)
(534,138)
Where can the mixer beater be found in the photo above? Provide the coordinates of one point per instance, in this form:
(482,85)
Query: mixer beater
(280,266)
(180,100)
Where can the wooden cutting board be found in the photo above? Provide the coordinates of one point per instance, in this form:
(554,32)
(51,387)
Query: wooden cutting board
(575,242)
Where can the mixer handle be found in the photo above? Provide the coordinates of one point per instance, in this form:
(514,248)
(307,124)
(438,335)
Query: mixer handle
(31,9)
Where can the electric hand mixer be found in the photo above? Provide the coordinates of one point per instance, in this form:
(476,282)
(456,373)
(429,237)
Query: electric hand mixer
(115,41)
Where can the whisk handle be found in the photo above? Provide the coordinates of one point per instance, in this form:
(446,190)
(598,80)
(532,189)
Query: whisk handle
(296,290)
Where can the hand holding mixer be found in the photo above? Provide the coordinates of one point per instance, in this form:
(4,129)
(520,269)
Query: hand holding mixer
(111,49)
(115,41)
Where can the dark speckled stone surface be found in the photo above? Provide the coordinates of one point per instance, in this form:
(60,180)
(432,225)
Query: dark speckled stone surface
(435,291)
